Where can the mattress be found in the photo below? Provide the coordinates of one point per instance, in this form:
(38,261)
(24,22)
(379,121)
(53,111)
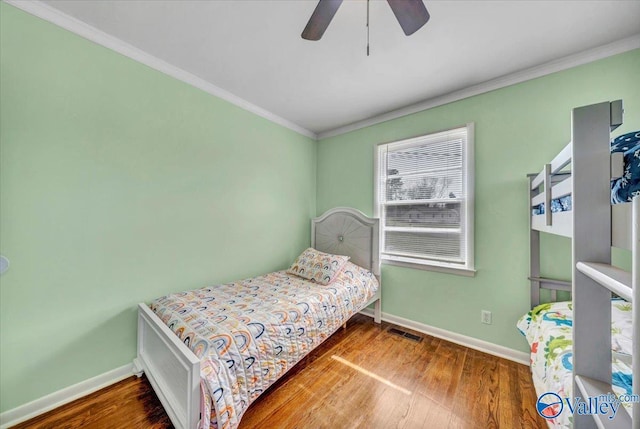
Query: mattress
(624,188)
(247,334)
(548,330)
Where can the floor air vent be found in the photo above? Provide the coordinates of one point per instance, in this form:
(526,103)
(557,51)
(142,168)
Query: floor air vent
(401,333)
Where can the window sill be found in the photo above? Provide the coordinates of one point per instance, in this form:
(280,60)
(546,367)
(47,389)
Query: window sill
(459,271)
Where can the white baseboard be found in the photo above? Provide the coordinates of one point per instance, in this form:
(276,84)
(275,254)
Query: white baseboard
(463,340)
(63,396)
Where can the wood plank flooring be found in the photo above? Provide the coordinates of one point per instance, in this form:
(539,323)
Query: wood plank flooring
(361,377)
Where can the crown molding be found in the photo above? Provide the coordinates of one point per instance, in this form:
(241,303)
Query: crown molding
(82,29)
(55,16)
(574,60)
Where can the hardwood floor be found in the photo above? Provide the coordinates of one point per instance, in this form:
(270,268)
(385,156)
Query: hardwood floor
(130,403)
(361,377)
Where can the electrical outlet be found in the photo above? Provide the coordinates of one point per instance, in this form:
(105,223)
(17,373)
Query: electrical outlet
(485,317)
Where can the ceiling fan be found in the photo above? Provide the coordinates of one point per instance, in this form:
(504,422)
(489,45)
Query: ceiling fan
(411,14)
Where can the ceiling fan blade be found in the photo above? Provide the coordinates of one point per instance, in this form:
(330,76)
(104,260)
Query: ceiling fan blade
(320,19)
(411,14)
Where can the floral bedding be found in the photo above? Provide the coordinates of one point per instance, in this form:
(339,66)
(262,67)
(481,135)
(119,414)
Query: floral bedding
(247,334)
(548,329)
(624,188)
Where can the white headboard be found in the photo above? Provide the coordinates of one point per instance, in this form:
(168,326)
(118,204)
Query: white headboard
(347,231)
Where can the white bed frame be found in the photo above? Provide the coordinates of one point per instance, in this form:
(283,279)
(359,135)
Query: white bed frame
(590,147)
(594,225)
(174,370)
(347,231)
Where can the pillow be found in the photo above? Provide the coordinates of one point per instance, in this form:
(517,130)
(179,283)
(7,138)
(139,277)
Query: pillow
(318,266)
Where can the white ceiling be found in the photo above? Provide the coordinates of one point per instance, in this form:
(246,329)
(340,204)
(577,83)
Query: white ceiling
(253,49)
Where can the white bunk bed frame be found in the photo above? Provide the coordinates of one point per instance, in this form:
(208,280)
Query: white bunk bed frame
(174,370)
(594,225)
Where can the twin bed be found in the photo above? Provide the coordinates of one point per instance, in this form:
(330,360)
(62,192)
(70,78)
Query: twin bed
(209,353)
(584,348)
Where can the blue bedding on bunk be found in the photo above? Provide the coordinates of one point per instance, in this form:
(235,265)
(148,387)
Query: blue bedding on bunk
(628,186)
(622,189)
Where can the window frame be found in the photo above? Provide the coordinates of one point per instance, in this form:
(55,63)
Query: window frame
(468,269)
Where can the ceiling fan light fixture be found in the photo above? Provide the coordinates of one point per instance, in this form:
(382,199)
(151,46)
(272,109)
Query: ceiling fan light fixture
(412,15)
(320,19)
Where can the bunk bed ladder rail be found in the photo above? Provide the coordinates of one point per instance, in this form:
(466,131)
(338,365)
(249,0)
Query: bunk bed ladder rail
(593,282)
(635,269)
(550,175)
(627,286)
(547,194)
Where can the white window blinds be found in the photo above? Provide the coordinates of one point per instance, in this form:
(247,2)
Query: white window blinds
(423,189)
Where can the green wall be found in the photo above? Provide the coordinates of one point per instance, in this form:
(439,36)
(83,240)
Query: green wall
(120,184)
(518,128)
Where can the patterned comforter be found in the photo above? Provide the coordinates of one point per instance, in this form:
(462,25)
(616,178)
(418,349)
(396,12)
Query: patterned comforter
(548,331)
(247,334)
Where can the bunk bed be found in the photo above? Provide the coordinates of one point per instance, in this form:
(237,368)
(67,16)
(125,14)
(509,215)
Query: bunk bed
(572,196)
(209,353)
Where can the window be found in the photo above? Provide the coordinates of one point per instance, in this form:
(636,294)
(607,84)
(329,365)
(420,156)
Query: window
(424,199)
